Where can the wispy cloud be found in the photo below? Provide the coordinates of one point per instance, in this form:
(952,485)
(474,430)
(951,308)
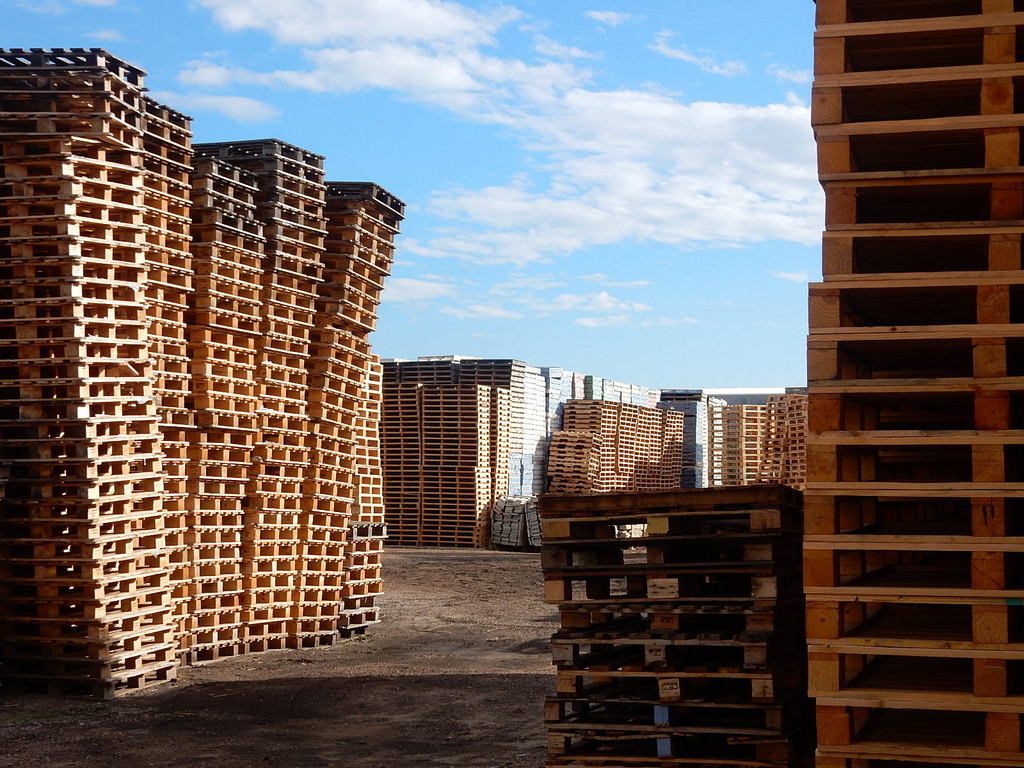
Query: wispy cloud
(633,321)
(57,7)
(481,311)
(616,167)
(241,108)
(545,46)
(603,279)
(796,277)
(54,7)
(798,76)
(611,18)
(526,284)
(609,321)
(326,22)
(109,35)
(706,63)
(599,302)
(408,289)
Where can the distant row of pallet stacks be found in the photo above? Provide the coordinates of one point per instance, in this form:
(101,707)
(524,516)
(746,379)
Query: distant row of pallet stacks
(445,452)
(696,406)
(682,646)
(187,335)
(750,443)
(783,455)
(609,446)
(741,437)
(915,459)
(736,444)
(423,506)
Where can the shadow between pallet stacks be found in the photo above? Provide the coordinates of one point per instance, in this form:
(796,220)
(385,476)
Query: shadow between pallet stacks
(415,721)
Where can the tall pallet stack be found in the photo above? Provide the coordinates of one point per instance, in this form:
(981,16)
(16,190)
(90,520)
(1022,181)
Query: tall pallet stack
(281,497)
(362,223)
(737,438)
(85,577)
(214,607)
(167,163)
(639,448)
(681,647)
(914,361)
(185,340)
(445,457)
(696,405)
(783,455)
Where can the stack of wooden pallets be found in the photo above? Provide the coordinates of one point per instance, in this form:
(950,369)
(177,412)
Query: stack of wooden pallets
(188,414)
(693,404)
(85,578)
(783,453)
(637,448)
(167,162)
(289,201)
(574,461)
(683,646)
(213,605)
(738,432)
(915,459)
(445,461)
(362,223)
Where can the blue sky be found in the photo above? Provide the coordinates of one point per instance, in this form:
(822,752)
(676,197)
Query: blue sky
(620,188)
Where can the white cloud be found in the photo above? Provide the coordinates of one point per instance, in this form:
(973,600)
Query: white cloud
(614,166)
(599,302)
(599,277)
(611,18)
(241,108)
(674,321)
(623,168)
(521,285)
(325,22)
(706,63)
(411,289)
(610,321)
(629,283)
(105,34)
(545,46)
(205,74)
(623,320)
(460,79)
(796,277)
(57,7)
(481,311)
(798,76)
(42,6)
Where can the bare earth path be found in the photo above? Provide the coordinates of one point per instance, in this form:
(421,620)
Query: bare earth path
(455,675)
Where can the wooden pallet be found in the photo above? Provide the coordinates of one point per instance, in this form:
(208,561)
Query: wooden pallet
(912,451)
(682,645)
(177,342)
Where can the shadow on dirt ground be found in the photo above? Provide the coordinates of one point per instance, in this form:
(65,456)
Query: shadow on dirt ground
(454,676)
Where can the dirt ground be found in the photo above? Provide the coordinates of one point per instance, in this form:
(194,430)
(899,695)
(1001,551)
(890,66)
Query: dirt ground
(455,675)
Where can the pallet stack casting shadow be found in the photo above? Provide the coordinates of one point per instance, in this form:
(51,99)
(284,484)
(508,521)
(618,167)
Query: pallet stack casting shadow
(916,354)
(181,341)
(681,646)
